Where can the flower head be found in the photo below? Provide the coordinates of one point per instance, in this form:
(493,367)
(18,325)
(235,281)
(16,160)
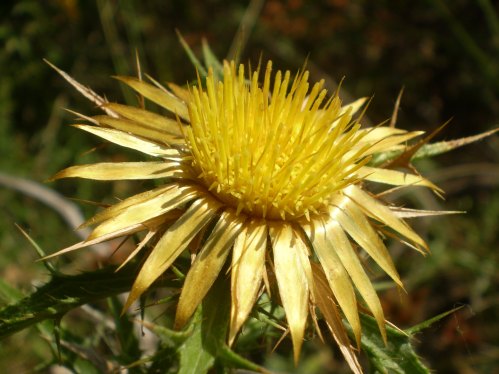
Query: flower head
(272,175)
(278,159)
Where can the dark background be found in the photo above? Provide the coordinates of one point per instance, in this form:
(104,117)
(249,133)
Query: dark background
(444,53)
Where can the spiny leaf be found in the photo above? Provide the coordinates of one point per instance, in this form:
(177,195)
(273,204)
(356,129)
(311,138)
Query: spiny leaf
(404,159)
(130,350)
(167,335)
(211,61)
(398,356)
(48,265)
(64,293)
(423,325)
(194,358)
(430,150)
(198,353)
(197,64)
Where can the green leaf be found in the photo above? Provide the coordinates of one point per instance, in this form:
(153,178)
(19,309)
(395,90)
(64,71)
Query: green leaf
(211,61)
(432,149)
(423,325)
(48,265)
(194,357)
(168,336)
(197,64)
(398,356)
(198,353)
(429,150)
(130,350)
(64,293)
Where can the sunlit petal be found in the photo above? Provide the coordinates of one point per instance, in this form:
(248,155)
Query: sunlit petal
(336,275)
(325,302)
(291,280)
(207,265)
(137,129)
(122,171)
(127,140)
(119,207)
(375,209)
(152,232)
(355,223)
(354,106)
(394,178)
(147,119)
(159,96)
(248,259)
(171,245)
(380,140)
(166,201)
(151,225)
(337,241)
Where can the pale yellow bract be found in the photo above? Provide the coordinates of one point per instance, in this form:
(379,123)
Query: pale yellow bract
(277,167)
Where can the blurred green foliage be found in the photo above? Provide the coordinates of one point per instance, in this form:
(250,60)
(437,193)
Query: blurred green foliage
(445,54)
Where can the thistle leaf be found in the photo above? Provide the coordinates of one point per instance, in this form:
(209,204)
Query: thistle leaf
(398,356)
(425,324)
(194,60)
(404,159)
(62,294)
(8,293)
(48,265)
(198,353)
(210,60)
(429,150)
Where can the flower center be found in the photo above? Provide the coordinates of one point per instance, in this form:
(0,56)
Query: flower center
(279,152)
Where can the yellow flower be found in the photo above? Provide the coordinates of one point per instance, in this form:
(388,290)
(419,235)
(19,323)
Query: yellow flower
(273,174)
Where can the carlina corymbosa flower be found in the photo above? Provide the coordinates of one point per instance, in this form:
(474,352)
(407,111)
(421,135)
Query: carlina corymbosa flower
(267,176)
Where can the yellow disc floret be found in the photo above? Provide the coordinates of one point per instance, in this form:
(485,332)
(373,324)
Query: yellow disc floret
(279,152)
